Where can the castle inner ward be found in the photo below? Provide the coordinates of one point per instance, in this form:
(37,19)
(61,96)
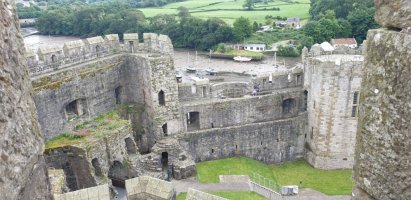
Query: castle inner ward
(163,126)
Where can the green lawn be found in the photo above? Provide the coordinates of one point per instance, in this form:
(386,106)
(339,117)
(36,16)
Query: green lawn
(229,10)
(331,182)
(230,195)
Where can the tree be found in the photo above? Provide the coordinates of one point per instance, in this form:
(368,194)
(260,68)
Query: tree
(248,4)
(255,26)
(361,20)
(183,12)
(242,28)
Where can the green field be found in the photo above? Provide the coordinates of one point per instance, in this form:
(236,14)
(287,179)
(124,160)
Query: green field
(230,195)
(229,10)
(331,182)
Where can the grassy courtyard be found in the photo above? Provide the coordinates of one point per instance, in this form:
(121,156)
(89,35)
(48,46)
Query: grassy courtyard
(330,182)
(229,10)
(230,195)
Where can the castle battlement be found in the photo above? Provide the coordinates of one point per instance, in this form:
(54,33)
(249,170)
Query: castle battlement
(52,57)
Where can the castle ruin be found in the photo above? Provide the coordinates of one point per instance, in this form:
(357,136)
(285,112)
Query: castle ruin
(162,127)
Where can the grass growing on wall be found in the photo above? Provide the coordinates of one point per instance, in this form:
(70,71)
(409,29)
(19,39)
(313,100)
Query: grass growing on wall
(101,126)
(230,195)
(330,182)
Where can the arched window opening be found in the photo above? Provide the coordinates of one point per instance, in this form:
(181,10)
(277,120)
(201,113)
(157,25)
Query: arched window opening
(161,98)
(53,58)
(75,108)
(165,131)
(117,92)
(97,168)
(164,159)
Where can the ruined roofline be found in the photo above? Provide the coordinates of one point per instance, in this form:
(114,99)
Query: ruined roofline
(318,50)
(53,57)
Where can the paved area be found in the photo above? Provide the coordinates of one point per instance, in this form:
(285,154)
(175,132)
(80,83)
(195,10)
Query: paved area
(183,185)
(304,194)
(309,194)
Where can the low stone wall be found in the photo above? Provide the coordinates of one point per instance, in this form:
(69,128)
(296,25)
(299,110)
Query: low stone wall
(193,194)
(269,142)
(146,187)
(266,192)
(101,192)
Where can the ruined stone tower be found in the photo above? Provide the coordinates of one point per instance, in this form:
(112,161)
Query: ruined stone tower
(383,152)
(332,82)
(22,167)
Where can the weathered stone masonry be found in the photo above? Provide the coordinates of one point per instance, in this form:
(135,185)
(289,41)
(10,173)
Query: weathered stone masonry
(22,167)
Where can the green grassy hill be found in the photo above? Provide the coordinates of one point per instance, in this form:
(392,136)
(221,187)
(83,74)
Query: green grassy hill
(229,10)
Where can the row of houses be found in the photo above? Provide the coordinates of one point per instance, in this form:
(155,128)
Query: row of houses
(338,42)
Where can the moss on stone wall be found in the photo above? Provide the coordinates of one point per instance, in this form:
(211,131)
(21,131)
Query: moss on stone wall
(88,132)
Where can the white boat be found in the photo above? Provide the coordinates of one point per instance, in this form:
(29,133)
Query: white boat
(211,71)
(179,74)
(242,59)
(191,68)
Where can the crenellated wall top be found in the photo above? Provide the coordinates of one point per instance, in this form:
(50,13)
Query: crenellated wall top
(52,57)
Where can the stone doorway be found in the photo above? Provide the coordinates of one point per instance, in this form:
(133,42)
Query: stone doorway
(193,121)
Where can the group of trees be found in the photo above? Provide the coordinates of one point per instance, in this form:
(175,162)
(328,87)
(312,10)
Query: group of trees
(340,18)
(31,11)
(185,30)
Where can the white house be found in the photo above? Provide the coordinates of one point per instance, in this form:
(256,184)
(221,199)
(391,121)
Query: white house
(254,47)
(346,42)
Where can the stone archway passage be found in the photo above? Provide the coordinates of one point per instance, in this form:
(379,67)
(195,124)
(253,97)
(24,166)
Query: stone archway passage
(118,173)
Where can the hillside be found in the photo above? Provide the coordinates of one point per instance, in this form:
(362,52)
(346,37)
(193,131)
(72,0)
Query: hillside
(229,10)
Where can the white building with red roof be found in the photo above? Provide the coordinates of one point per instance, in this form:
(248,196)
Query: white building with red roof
(346,42)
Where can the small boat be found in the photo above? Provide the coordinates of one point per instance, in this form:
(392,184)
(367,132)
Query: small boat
(179,74)
(211,71)
(242,59)
(191,68)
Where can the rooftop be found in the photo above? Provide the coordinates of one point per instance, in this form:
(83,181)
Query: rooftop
(338,58)
(343,41)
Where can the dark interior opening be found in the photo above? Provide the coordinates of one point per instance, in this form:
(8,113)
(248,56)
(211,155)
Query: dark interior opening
(164,159)
(131,147)
(193,121)
(72,109)
(53,58)
(288,106)
(97,168)
(305,100)
(118,174)
(131,44)
(161,98)
(117,92)
(165,131)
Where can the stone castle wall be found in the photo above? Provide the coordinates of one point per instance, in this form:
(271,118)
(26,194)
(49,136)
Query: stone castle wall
(382,160)
(50,58)
(332,82)
(270,142)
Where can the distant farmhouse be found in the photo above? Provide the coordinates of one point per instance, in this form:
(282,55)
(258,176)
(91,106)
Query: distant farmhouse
(254,47)
(250,47)
(344,42)
(292,22)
